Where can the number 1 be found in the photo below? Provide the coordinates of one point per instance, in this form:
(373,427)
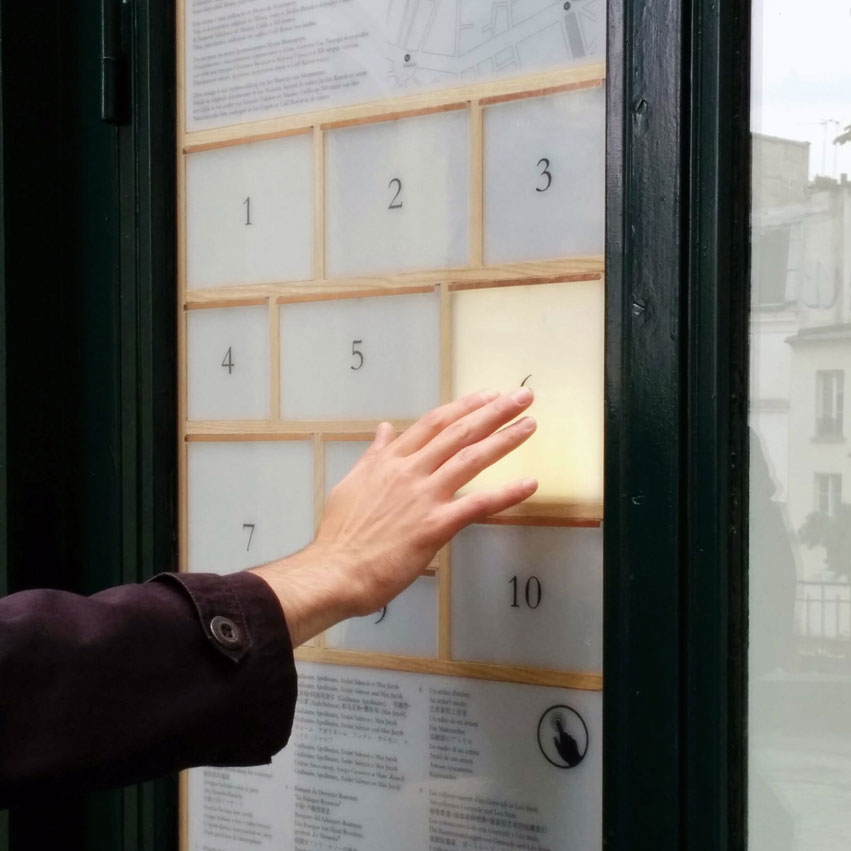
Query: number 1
(247,204)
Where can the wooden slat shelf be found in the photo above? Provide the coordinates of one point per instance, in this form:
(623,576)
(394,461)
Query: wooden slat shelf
(588,681)
(219,430)
(560,270)
(528,85)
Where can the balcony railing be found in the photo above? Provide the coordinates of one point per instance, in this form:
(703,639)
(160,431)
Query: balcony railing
(823,610)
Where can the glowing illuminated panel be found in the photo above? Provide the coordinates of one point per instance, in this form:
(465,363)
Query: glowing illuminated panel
(551,335)
(249,213)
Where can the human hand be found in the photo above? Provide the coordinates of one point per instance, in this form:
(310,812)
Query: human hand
(384,522)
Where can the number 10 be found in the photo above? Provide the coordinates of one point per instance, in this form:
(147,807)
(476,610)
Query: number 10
(533,592)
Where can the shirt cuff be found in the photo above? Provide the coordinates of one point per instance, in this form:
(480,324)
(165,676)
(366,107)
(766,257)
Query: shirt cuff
(233,609)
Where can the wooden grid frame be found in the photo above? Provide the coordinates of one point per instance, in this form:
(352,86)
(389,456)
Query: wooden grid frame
(477,274)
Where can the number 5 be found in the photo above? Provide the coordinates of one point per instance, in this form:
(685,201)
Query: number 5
(356,353)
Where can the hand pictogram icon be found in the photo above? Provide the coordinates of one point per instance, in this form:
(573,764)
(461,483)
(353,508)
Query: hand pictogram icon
(568,747)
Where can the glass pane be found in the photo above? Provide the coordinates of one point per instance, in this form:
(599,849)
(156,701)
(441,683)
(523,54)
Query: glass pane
(800,526)
(388,204)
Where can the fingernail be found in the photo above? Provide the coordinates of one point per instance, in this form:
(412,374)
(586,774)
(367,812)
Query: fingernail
(528,484)
(526,424)
(523,395)
(489,395)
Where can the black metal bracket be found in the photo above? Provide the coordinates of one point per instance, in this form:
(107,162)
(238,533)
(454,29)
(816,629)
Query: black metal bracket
(115,79)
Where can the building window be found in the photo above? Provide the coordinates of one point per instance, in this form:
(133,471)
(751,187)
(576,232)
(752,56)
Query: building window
(771,266)
(828,493)
(830,391)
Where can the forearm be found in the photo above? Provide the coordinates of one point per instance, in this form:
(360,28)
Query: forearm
(313,588)
(130,683)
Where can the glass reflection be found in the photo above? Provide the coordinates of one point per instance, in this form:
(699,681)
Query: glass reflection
(800,466)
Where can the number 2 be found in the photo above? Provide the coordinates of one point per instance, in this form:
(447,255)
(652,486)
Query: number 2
(247,204)
(533,591)
(250,527)
(357,353)
(393,204)
(227,361)
(544,173)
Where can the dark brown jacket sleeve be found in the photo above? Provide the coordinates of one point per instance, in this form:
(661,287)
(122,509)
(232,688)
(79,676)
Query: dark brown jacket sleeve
(140,680)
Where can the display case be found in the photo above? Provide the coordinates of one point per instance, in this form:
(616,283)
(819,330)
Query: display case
(383,206)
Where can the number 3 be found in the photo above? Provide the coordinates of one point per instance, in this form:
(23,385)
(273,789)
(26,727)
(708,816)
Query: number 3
(544,173)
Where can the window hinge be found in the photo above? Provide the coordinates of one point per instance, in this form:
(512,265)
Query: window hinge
(114,74)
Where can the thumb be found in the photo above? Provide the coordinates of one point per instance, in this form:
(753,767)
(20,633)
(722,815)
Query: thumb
(385,434)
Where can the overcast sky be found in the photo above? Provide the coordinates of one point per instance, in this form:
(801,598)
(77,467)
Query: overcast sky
(802,76)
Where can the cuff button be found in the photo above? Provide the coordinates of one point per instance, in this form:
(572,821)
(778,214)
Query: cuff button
(226,632)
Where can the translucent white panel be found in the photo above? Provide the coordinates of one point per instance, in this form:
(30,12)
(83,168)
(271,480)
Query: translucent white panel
(407,625)
(228,363)
(551,335)
(249,213)
(234,808)
(360,358)
(397,195)
(404,759)
(545,176)
(249,502)
(340,457)
(516,588)
(367,50)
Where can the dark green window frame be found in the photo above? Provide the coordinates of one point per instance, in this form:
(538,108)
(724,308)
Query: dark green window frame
(676,445)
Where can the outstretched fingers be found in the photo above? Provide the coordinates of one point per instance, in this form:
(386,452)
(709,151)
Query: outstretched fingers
(472,428)
(434,422)
(469,461)
(475,507)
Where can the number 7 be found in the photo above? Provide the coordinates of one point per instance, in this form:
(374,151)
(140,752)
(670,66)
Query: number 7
(249,526)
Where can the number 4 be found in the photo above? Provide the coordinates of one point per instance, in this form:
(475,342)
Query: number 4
(227,361)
